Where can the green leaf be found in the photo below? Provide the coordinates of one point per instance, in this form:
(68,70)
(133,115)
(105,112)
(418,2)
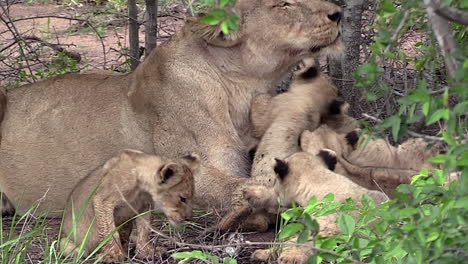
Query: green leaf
(461,108)
(228,260)
(347,224)
(432,236)
(290,230)
(210,20)
(328,198)
(304,236)
(406,212)
(439,176)
(371,96)
(190,254)
(388,7)
(224,27)
(437,115)
(223,3)
(438,159)
(425,108)
(463,161)
(291,213)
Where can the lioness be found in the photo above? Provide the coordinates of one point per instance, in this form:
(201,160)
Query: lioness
(123,187)
(192,94)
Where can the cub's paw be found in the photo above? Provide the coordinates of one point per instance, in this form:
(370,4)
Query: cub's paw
(293,256)
(263,255)
(113,255)
(149,251)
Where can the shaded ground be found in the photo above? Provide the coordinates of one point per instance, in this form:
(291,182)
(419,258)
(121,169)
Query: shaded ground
(190,234)
(103,45)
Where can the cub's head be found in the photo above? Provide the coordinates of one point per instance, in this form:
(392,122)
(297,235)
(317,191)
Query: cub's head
(176,187)
(302,173)
(277,32)
(325,137)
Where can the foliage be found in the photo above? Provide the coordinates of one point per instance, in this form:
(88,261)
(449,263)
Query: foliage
(197,254)
(220,14)
(425,223)
(59,64)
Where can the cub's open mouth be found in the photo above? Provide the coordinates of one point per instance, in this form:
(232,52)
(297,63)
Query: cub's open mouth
(319,48)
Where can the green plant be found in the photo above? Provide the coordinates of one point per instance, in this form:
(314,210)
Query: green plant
(219,14)
(186,256)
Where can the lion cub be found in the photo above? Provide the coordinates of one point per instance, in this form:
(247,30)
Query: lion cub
(127,185)
(279,121)
(303,175)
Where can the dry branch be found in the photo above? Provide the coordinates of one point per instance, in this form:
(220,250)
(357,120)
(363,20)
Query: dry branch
(451,14)
(444,35)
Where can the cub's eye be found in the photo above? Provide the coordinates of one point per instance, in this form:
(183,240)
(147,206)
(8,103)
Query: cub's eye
(183,199)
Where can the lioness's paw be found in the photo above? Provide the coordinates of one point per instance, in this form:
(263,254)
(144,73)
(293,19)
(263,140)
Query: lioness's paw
(293,256)
(262,255)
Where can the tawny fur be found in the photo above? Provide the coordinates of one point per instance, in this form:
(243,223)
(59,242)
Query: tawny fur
(308,176)
(192,94)
(381,166)
(256,197)
(290,113)
(125,186)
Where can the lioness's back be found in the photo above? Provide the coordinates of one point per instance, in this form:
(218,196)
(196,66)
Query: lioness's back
(51,130)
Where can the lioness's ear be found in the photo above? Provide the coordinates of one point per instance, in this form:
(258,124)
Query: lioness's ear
(329,158)
(192,160)
(281,168)
(212,34)
(167,172)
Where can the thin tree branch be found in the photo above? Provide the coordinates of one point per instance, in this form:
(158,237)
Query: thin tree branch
(451,13)
(411,133)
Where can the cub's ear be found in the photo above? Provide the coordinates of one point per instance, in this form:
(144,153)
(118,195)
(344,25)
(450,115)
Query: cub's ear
(329,158)
(352,138)
(311,73)
(212,34)
(192,160)
(281,168)
(336,107)
(167,172)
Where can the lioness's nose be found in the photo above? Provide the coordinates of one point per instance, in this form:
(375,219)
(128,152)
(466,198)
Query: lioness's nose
(335,16)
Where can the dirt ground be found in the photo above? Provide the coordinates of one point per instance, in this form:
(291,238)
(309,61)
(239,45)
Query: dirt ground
(54,24)
(190,233)
(106,53)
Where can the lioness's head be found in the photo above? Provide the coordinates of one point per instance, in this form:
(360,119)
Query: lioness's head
(275,34)
(176,187)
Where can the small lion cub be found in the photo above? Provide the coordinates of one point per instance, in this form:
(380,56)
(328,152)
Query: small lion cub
(127,185)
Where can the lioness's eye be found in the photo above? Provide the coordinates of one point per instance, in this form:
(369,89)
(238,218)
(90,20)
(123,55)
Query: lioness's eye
(283,4)
(183,199)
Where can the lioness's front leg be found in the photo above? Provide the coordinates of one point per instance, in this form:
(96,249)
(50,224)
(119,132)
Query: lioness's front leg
(112,251)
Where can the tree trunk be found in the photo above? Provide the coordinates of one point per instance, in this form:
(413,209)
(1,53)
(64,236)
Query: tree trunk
(133,34)
(151,26)
(342,70)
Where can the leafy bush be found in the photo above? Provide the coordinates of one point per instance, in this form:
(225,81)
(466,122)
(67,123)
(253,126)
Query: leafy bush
(425,223)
